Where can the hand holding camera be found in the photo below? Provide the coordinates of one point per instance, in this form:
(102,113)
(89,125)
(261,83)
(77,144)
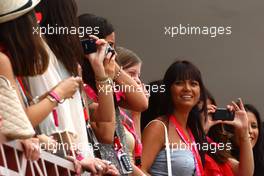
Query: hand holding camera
(100,55)
(240,121)
(234,115)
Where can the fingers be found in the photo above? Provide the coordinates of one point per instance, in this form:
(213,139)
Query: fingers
(229,122)
(110,57)
(211,109)
(32,149)
(100,166)
(78,79)
(35,152)
(77,164)
(93,37)
(235,106)
(112,170)
(241,104)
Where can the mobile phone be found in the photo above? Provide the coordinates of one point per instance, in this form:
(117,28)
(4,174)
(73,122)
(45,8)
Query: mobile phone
(125,163)
(223,114)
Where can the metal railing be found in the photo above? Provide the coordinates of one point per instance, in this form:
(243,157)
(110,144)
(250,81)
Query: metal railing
(14,163)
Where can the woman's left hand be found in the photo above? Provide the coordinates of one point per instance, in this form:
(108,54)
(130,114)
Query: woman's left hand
(31,148)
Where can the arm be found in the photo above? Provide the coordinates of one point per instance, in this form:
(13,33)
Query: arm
(137,171)
(245,166)
(65,89)
(104,109)
(153,141)
(103,118)
(136,99)
(38,112)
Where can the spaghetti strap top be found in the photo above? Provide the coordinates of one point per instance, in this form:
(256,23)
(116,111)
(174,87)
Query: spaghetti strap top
(182,162)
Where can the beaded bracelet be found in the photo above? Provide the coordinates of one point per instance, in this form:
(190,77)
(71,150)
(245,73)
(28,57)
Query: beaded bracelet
(105,81)
(118,73)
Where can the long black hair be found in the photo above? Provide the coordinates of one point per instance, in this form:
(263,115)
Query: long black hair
(218,135)
(155,103)
(185,70)
(258,150)
(105,29)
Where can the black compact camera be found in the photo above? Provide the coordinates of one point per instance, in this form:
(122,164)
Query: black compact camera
(89,46)
(223,114)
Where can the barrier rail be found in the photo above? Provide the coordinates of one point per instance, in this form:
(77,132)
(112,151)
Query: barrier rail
(14,163)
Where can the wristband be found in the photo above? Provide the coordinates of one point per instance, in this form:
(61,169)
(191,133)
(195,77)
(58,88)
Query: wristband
(56,97)
(51,99)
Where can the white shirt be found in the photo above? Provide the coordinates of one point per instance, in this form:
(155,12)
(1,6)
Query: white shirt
(70,113)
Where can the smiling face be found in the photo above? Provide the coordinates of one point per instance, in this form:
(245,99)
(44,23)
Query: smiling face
(253,128)
(185,94)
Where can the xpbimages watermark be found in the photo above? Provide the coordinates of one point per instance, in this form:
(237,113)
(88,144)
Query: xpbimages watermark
(60,30)
(189,30)
(211,147)
(130,88)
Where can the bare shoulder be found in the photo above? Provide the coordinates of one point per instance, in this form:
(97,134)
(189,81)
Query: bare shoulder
(155,129)
(5,65)
(234,165)
(157,123)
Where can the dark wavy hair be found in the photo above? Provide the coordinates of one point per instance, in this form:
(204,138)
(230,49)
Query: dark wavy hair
(258,150)
(185,70)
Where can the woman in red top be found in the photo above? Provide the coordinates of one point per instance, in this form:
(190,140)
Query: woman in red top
(220,162)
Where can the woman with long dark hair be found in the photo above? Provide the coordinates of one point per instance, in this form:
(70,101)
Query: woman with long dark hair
(256,137)
(16,60)
(181,131)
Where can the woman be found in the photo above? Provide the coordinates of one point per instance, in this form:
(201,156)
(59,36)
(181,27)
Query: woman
(131,64)
(184,90)
(66,53)
(256,137)
(16,36)
(221,162)
(216,161)
(134,100)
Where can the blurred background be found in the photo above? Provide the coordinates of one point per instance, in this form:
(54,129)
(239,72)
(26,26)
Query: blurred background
(232,65)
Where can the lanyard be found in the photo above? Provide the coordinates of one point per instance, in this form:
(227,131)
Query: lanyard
(129,125)
(194,150)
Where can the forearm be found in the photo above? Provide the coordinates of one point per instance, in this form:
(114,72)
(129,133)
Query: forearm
(137,171)
(246,160)
(104,131)
(105,111)
(38,112)
(136,99)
